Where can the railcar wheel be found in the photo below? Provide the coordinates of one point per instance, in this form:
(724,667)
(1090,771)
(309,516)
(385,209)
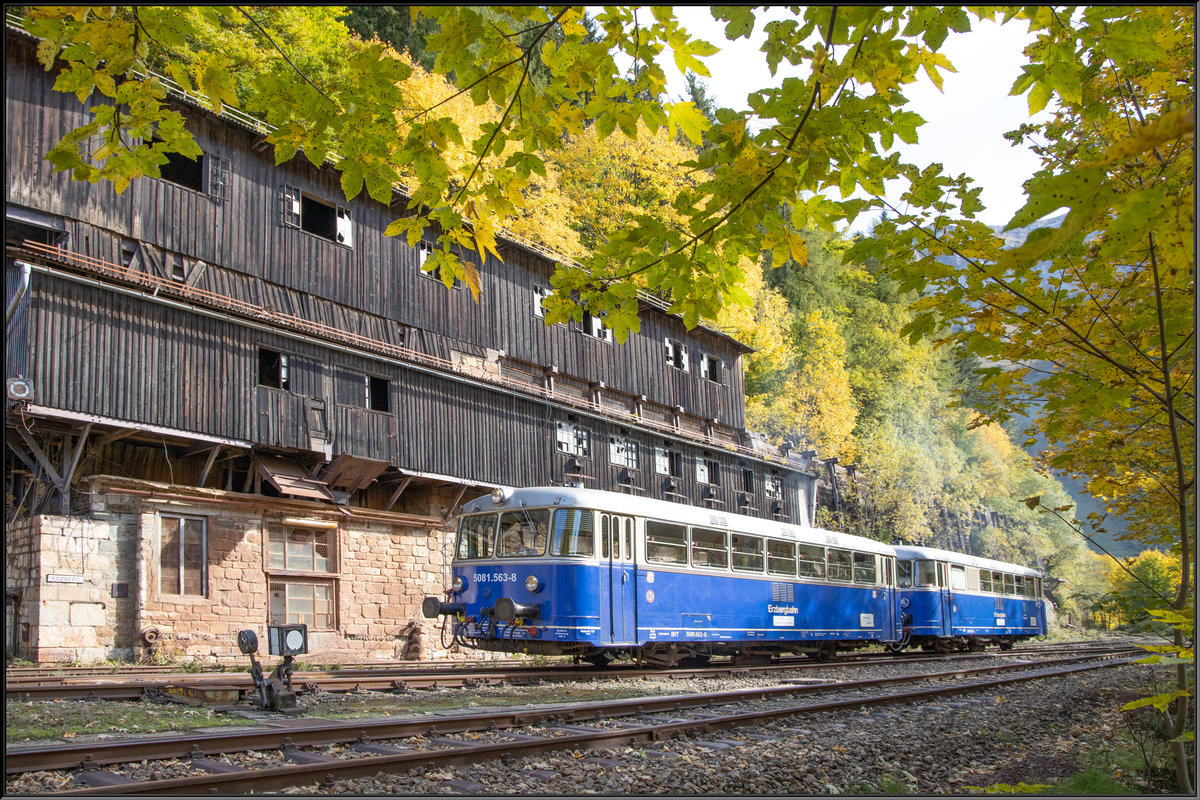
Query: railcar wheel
(822,653)
(599,660)
(1006,644)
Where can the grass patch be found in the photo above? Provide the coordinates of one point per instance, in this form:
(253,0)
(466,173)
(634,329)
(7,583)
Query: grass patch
(34,720)
(1092,782)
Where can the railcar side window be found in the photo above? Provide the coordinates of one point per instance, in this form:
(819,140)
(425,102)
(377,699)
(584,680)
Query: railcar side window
(840,565)
(1020,581)
(926,573)
(747,553)
(1009,585)
(781,557)
(522,533)
(710,548)
(904,574)
(574,534)
(864,568)
(985,580)
(812,561)
(666,544)
(475,536)
(958,578)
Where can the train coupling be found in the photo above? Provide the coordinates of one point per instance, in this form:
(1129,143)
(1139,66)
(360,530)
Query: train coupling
(432,608)
(508,609)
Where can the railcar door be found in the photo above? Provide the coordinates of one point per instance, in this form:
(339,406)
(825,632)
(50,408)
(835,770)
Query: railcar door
(947,599)
(616,558)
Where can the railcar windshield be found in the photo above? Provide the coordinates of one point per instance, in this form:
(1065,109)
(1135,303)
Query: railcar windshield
(927,573)
(523,533)
(574,533)
(904,577)
(475,536)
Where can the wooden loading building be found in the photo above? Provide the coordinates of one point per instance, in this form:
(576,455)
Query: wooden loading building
(232,401)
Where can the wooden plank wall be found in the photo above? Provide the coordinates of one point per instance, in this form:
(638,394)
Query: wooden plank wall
(378,277)
(99,352)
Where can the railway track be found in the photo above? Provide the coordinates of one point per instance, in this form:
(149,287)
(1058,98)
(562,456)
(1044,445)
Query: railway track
(126,686)
(322,751)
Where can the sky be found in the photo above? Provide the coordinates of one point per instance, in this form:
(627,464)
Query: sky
(965,123)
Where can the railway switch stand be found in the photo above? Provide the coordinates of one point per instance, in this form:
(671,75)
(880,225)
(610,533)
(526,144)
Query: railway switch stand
(275,691)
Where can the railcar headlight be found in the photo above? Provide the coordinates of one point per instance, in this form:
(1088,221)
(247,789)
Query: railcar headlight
(532,584)
(458,584)
(499,495)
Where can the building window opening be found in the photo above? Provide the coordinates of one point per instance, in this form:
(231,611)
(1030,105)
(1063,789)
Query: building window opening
(302,602)
(677,354)
(273,369)
(668,462)
(712,368)
(573,441)
(623,452)
(378,394)
(183,556)
(318,218)
(748,480)
(186,172)
(304,549)
(593,325)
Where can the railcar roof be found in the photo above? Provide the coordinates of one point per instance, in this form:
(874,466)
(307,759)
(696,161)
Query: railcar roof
(933,553)
(617,503)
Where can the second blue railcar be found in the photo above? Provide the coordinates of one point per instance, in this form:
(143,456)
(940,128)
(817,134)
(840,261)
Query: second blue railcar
(951,601)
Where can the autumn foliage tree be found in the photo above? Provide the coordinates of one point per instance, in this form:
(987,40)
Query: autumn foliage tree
(1087,327)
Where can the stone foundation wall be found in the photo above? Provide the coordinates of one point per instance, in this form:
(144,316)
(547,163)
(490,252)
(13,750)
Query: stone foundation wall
(89,587)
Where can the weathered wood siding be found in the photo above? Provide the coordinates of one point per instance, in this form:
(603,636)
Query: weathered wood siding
(292,270)
(90,348)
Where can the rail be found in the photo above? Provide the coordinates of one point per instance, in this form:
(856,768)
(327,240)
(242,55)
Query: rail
(623,721)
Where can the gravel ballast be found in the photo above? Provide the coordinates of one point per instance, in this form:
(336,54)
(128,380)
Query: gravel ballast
(1034,732)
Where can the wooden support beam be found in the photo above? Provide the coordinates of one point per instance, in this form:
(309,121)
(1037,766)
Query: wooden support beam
(113,436)
(396,494)
(208,465)
(69,474)
(41,457)
(15,444)
(454,505)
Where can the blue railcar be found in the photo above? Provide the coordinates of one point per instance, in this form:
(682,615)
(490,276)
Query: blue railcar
(952,601)
(601,575)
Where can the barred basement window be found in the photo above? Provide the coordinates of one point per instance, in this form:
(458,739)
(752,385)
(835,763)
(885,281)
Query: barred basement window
(302,601)
(183,556)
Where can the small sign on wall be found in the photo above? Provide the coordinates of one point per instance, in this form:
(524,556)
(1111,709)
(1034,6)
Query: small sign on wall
(64,579)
